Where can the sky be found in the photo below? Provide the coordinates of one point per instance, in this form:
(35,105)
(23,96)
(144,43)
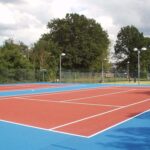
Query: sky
(26,20)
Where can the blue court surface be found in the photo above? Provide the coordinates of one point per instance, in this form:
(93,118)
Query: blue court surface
(130,135)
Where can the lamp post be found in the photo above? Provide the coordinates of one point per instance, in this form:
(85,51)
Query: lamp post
(60,57)
(102,73)
(139,68)
(128,71)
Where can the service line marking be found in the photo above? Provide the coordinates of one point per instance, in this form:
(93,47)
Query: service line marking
(53,101)
(89,97)
(100,95)
(28,96)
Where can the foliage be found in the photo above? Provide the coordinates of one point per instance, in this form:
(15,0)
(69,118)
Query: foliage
(12,58)
(146,55)
(85,43)
(129,38)
(45,57)
(83,40)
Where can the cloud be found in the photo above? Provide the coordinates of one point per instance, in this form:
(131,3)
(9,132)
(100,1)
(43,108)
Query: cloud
(11,1)
(125,12)
(26,20)
(19,23)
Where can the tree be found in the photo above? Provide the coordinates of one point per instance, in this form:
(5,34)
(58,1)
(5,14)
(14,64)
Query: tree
(146,56)
(83,40)
(12,56)
(128,38)
(45,57)
(12,60)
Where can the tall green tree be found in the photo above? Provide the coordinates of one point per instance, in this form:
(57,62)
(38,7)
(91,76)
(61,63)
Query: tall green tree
(12,61)
(146,55)
(12,57)
(45,56)
(128,38)
(83,40)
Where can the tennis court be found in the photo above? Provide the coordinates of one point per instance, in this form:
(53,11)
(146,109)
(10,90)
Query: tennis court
(74,117)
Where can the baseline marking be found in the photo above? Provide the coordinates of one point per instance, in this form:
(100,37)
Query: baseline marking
(44,129)
(78,135)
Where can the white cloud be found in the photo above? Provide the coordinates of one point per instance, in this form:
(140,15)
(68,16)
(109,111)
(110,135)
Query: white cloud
(11,1)
(6,16)
(26,20)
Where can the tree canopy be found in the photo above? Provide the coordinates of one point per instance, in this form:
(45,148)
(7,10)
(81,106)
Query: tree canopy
(83,40)
(14,61)
(12,56)
(85,43)
(129,38)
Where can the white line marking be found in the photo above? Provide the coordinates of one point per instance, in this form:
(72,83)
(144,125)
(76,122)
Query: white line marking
(6,98)
(30,88)
(39,128)
(52,130)
(79,135)
(100,95)
(72,133)
(76,99)
(73,91)
(24,125)
(53,101)
(59,92)
(117,124)
(100,114)
(69,91)
(89,97)
(92,104)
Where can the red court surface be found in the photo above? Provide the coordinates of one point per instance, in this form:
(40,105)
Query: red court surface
(82,112)
(43,114)
(79,94)
(26,86)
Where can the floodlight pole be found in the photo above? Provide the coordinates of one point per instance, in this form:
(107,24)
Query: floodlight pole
(102,73)
(128,71)
(139,68)
(60,62)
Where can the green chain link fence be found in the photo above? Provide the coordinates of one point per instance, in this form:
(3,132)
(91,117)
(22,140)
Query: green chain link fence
(24,75)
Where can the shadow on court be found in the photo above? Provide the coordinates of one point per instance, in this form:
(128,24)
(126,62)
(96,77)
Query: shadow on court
(132,135)
(132,139)
(143,93)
